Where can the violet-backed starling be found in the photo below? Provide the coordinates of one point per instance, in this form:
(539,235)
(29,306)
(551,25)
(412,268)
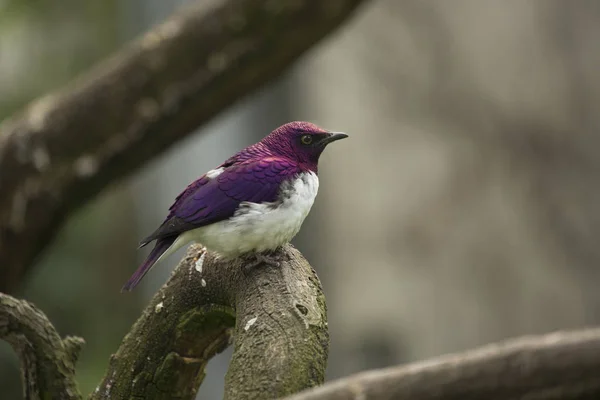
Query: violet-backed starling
(251,204)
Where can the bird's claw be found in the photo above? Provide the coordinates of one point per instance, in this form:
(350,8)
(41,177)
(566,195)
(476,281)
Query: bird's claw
(270,259)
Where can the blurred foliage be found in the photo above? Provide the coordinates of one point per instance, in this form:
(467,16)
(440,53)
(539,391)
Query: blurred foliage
(77,284)
(88,263)
(43,45)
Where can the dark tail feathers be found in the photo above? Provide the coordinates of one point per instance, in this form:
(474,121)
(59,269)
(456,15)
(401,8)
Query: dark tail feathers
(159,248)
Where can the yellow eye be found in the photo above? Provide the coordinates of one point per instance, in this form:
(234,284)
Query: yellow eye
(306,139)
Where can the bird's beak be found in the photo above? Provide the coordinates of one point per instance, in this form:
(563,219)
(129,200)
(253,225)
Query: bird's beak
(332,137)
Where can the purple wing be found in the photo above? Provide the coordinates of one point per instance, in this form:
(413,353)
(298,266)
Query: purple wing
(211,200)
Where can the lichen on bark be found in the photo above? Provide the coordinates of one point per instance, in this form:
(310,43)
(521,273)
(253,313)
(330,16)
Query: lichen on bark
(277,316)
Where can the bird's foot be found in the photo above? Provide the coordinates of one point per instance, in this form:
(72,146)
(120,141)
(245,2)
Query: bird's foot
(270,258)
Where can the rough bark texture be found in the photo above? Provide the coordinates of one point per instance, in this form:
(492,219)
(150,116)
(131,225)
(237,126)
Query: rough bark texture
(47,361)
(69,145)
(559,366)
(277,316)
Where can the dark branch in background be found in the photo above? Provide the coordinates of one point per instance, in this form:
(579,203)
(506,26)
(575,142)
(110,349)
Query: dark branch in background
(277,316)
(68,146)
(47,361)
(558,366)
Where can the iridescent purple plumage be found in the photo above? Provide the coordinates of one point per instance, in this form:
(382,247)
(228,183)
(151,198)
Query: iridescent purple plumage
(231,201)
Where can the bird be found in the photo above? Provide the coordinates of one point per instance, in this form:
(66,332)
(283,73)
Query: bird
(250,205)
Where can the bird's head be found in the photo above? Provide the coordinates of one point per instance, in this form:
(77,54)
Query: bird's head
(301,141)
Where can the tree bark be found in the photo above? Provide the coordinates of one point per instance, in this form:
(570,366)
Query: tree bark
(277,316)
(558,366)
(66,147)
(47,361)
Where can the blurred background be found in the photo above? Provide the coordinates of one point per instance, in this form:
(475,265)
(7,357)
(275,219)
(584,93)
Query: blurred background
(463,210)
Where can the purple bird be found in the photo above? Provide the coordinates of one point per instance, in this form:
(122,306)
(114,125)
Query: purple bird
(253,203)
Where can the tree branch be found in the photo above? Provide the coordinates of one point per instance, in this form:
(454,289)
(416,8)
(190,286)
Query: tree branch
(277,316)
(47,361)
(66,147)
(558,366)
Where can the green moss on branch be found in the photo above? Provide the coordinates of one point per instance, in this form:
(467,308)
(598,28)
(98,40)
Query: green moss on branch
(276,315)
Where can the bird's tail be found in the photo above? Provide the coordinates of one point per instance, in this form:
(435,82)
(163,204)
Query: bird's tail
(159,249)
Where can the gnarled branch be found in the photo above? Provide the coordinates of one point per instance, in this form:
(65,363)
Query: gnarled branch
(69,145)
(558,366)
(276,315)
(278,318)
(47,361)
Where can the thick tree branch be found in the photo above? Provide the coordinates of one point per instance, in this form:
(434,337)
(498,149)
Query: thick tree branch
(68,146)
(558,366)
(278,318)
(47,361)
(276,315)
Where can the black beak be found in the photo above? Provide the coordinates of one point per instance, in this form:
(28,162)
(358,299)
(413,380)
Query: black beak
(332,137)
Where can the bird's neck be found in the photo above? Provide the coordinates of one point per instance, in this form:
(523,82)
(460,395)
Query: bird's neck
(260,150)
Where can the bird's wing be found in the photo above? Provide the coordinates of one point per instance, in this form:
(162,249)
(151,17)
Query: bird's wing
(206,200)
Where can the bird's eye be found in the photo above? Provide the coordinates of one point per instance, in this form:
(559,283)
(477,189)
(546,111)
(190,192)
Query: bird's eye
(306,139)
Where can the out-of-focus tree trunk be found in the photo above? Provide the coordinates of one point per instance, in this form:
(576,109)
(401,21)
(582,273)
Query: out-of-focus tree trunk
(469,188)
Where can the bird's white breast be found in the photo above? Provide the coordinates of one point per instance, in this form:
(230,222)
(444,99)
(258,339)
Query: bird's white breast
(261,226)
